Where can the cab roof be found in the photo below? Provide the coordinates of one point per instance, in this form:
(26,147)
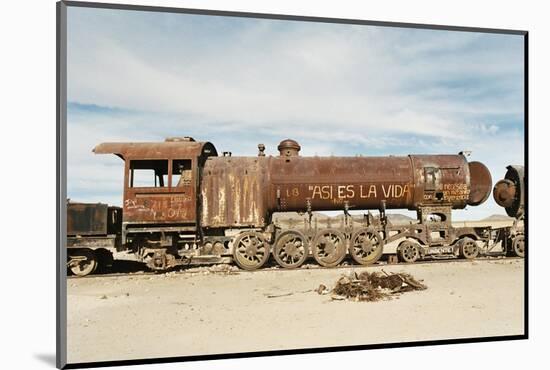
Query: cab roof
(170,148)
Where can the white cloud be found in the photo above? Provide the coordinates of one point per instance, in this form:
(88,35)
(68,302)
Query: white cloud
(352,76)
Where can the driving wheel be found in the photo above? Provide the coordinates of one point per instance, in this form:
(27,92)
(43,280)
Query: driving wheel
(366,246)
(291,249)
(329,247)
(250,250)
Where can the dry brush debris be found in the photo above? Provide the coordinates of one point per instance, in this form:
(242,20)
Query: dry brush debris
(371,286)
(223,269)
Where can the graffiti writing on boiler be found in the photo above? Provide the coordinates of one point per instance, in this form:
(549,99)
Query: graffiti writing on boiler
(396,191)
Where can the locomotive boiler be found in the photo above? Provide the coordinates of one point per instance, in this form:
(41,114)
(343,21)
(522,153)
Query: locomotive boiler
(185,204)
(246,191)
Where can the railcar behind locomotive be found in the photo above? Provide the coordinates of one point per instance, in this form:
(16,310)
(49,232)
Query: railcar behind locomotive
(184,204)
(509,193)
(93,235)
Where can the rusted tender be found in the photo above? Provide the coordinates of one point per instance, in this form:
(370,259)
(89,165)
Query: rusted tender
(93,235)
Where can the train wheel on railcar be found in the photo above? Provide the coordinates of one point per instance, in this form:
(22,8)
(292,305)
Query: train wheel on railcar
(408,251)
(329,247)
(82,262)
(291,249)
(518,245)
(468,248)
(105,260)
(250,250)
(366,246)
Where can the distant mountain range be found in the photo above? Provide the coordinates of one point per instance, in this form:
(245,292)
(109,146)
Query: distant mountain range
(497,218)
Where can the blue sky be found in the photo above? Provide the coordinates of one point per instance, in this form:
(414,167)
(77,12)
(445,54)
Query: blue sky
(337,89)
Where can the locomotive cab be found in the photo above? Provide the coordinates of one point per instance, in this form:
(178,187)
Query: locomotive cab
(160,189)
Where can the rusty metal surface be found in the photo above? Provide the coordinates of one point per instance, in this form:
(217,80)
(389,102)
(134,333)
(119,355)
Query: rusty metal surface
(233,192)
(480,183)
(170,203)
(87,219)
(245,191)
(168,149)
(160,205)
(329,183)
(289,148)
(509,192)
(504,193)
(93,242)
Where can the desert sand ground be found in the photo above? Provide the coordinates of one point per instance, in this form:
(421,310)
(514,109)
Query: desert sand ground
(195,313)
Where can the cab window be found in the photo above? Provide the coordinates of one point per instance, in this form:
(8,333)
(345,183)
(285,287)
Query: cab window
(148,173)
(182,174)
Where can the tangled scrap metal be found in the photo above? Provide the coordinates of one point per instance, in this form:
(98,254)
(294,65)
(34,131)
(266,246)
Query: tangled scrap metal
(373,286)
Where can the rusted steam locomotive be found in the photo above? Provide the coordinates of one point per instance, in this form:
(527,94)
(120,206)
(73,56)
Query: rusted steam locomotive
(184,204)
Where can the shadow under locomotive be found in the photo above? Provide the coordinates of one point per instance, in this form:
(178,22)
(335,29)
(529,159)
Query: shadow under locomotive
(185,205)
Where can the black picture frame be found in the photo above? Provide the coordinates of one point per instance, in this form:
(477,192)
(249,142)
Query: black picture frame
(61,191)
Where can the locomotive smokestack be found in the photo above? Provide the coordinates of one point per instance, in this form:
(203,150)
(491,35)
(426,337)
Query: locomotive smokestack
(261,150)
(289,148)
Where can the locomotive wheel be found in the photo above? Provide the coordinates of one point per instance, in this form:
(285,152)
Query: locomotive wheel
(218,248)
(366,247)
(250,250)
(291,249)
(85,264)
(408,251)
(518,245)
(329,247)
(468,248)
